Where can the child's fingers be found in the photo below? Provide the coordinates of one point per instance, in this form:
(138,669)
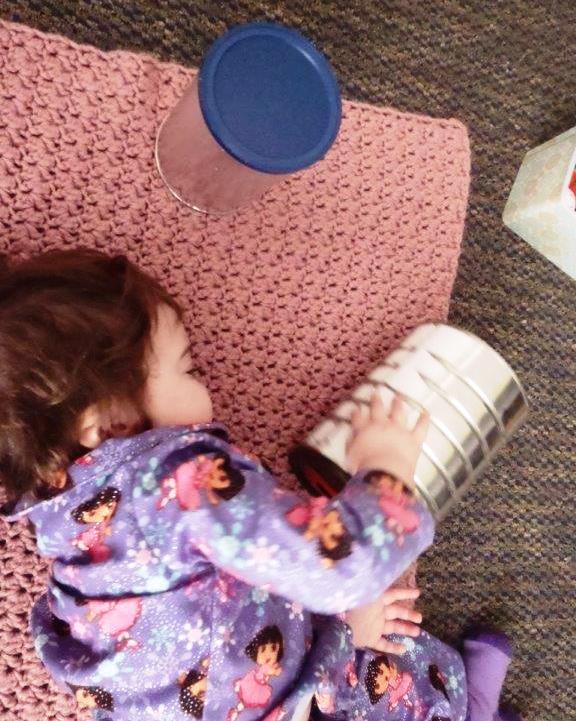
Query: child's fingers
(357,419)
(377,410)
(401,628)
(421,428)
(397,412)
(397,611)
(400,594)
(386,646)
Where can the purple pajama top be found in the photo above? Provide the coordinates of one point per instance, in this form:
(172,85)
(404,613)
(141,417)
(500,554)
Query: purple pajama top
(187,584)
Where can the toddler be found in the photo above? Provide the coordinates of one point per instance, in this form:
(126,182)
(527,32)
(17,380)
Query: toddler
(185,583)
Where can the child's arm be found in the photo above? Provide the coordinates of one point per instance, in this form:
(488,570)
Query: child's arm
(329,556)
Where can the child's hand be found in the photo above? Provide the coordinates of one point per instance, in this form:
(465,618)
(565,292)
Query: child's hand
(371,623)
(383,442)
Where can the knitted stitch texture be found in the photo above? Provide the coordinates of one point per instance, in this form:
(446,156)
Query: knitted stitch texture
(289,302)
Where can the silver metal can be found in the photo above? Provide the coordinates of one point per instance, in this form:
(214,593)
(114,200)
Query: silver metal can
(474,399)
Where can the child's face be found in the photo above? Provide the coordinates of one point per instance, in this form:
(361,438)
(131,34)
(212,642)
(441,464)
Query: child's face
(85,699)
(103,512)
(267,654)
(199,688)
(173,395)
(384,677)
(331,530)
(218,479)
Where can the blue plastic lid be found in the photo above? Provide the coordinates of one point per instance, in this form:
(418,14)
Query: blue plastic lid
(270,98)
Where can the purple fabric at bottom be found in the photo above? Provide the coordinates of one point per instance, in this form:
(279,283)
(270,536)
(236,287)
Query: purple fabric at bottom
(486,659)
(187,583)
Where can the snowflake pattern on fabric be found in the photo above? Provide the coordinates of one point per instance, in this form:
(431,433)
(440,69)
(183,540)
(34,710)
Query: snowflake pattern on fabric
(193,587)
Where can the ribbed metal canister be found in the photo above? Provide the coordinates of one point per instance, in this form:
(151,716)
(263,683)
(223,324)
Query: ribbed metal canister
(474,398)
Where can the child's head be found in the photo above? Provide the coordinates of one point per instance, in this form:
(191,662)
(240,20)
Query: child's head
(378,675)
(98,509)
(193,693)
(90,347)
(225,481)
(267,646)
(90,697)
(334,539)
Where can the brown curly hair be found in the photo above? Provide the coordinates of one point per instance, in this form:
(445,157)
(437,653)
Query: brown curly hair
(75,327)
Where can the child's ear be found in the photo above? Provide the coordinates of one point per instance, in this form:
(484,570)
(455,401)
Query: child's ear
(89,425)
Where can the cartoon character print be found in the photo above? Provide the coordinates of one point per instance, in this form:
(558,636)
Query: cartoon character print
(395,501)
(438,680)
(214,475)
(193,687)
(382,676)
(115,618)
(254,690)
(97,512)
(325,525)
(92,697)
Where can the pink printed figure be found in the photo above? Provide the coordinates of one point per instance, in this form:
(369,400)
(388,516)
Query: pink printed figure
(383,677)
(400,686)
(306,513)
(325,525)
(98,513)
(254,690)
(85,460)
(395,503)
(213,475)
(116,618)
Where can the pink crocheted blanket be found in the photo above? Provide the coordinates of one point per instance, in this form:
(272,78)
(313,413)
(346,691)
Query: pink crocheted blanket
(289,301)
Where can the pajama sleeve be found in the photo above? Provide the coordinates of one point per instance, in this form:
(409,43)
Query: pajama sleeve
(327,555)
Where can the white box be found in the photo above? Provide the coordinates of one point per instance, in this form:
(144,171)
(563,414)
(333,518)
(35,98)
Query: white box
(541,209)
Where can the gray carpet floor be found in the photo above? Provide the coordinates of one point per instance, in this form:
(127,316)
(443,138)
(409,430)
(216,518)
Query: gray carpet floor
(508,70)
